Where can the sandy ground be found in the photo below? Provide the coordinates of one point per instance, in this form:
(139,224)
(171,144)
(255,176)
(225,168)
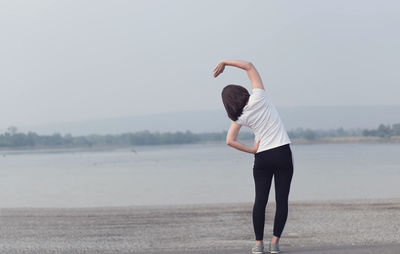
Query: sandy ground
(197,228)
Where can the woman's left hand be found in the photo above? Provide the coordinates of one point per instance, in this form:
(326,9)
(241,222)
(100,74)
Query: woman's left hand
(219,68)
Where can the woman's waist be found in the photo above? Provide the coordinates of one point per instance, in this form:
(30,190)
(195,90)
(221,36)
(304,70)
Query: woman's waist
(277,147)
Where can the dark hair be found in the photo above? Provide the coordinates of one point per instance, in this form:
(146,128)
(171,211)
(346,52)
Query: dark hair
(234,98)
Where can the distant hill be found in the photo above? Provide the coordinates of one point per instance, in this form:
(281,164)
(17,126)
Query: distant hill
(313,117)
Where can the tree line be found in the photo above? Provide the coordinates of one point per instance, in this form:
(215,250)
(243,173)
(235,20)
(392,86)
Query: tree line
(13,138)
(383,131)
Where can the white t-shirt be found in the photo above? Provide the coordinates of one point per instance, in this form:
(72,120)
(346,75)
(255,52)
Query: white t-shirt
(262,118)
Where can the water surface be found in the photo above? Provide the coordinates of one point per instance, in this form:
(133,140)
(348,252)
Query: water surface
(183,174)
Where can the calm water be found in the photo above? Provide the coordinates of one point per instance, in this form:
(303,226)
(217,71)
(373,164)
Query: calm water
(181,174)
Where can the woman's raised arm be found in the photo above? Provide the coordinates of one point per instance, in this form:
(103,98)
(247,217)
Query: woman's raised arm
(254,76)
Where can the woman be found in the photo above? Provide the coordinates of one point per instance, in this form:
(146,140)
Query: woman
(272,153)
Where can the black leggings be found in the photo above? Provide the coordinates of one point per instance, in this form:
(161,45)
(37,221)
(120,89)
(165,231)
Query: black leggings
(276,162)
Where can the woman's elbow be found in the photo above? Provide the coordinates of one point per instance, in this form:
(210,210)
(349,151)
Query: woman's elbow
(229,142)
(249,66)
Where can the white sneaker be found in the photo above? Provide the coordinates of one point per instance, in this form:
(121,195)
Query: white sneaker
(274,248)
(258,248)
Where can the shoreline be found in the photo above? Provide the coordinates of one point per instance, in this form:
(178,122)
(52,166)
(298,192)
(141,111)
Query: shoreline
(195,227)
(304,202)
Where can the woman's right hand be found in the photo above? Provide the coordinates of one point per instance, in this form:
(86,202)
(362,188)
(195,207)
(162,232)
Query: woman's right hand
(219,68)
(256,144)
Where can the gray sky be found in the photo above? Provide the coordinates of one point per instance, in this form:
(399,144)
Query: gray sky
(67,61)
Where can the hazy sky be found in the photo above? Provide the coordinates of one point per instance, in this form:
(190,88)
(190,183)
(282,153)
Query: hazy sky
(73,60)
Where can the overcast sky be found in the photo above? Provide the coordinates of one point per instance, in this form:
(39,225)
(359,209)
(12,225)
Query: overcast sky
(67,61)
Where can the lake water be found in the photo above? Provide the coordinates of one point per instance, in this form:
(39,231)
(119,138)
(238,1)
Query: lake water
(187,174)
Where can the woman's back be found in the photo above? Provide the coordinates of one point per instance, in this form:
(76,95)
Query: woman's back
(261,116)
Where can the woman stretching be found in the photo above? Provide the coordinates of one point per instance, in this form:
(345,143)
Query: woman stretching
(272,153)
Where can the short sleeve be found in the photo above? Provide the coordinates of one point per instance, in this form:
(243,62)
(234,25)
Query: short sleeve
(242,119)
(257,98)
(239,120)
(258,94)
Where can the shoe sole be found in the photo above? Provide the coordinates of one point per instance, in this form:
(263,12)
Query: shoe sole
(274,252)
(257,252)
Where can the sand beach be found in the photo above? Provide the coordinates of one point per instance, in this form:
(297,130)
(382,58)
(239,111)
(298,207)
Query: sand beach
(200,228)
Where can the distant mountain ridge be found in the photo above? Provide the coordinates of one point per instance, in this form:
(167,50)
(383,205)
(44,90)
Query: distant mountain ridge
(313,117)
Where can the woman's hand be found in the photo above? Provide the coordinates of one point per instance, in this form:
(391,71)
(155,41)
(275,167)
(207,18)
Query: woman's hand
(256,144)
(219,68)
(252,72)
